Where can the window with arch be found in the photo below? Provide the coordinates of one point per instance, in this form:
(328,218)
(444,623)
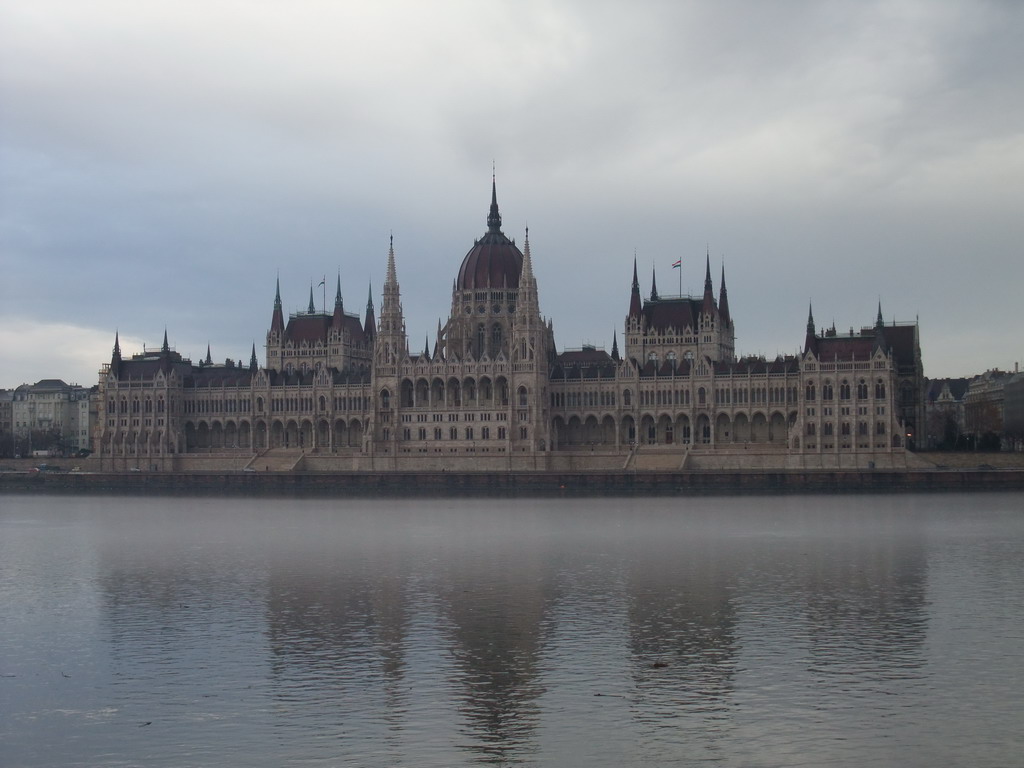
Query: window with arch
(826,390)
(523,396)
(385,399)
(879,390)
(702,396)
(481,335)
(862,390)
(627,397)
(844,390)
(495,339)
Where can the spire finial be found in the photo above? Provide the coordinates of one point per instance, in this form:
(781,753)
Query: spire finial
(253,365)
(165,348)
(277,293)
(338,303)
(654,284)
(493,217)
(312,307)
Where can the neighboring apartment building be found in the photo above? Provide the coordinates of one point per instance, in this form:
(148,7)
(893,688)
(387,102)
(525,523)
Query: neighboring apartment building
(52,414)
(492,392)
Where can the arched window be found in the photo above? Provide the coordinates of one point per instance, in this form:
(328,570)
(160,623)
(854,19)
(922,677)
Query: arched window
(879,390)
(522,397)
(385,399)
(810,429)
(862,390)
(844,390)
(495,339)
(481,334)
(702,396)
(826,391)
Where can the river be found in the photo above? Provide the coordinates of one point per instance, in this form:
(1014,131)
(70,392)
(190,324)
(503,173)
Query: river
(881,630)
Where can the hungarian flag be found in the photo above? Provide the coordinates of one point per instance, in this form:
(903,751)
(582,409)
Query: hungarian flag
(678,264)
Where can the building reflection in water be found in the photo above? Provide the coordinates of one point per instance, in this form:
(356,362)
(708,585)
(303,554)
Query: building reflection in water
(465,631)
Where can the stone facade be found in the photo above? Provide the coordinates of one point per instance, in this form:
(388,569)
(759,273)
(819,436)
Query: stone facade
(492,392)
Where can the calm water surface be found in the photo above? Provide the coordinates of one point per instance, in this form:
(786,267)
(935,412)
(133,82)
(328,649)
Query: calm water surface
(753,631)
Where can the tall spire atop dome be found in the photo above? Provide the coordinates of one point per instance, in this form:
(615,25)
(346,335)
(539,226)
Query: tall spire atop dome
(493,217)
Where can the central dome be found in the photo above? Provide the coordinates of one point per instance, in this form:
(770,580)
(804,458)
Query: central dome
(493,261)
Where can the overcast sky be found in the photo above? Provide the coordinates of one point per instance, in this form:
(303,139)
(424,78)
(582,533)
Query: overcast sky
(162,162)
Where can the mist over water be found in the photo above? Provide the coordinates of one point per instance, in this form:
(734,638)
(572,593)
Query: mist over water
(749,631)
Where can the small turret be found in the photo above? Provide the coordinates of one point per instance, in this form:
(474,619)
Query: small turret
(723,302)
(635,304)
(339,308)
(709,296)
(277,321)
(312,307)
(654,285)
(253,365)
(615,346)
(370,324)
(810,340)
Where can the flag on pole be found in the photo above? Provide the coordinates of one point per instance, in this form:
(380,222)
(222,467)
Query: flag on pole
(678,264)
(322,282)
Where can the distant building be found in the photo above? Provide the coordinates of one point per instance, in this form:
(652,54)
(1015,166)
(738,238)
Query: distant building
(491,392)
(1013,412)
(51,414)
(944,413)
(983,408)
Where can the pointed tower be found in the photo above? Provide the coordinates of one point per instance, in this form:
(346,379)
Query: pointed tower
(810,340)
(391,344)
(723,302)
(115,358)
(312,307)
(253,365)
(338,319)
(615,346)
(208,360)
(654,285)
(277,320)
(370,324)
(635,303)
(708,307)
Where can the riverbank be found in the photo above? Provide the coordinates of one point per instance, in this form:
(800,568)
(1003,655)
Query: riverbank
(512,483)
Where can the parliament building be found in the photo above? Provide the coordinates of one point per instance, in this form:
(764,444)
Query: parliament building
(339,392)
